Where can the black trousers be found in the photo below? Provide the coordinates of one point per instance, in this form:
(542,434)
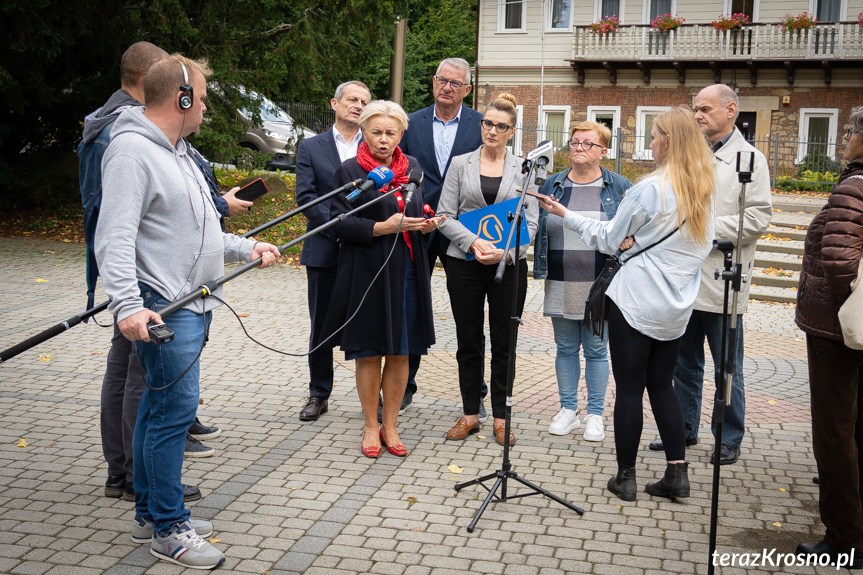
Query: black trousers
(836,397)
(469,285)
(320,283)
(640,362)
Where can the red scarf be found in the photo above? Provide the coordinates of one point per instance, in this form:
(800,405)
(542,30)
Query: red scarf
(399,167)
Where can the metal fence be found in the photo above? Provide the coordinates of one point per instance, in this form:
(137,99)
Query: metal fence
(314,117)
(812,165)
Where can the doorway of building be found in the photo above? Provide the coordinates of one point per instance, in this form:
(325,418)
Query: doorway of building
(746,124)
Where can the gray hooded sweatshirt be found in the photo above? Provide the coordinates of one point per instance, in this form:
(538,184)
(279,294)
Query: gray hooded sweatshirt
(158,224)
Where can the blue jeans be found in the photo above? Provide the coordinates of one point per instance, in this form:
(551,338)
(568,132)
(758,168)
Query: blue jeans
(165,415)
(569,335)
(689,375)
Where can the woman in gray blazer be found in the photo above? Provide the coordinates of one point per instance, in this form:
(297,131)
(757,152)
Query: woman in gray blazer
(476,180)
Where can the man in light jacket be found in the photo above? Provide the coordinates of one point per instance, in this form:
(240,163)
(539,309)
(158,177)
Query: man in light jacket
(716,109)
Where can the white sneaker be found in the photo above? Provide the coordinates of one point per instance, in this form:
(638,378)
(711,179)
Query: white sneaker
(565,421)
(594,430)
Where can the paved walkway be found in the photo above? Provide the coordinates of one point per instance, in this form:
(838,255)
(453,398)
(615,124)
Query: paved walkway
(288,497)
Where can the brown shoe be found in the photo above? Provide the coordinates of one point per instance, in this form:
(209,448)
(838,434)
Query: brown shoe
(498,434)
(462,429)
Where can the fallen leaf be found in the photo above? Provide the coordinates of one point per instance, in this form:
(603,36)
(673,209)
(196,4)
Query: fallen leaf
(618,506)
(41,281)
(242,315)
(95,353)
(480,436)
(453,468)
(214,540)
(417,529)
(777,524)
(772,402)
(782,489)
(22,443)
(47,446)
(45,357)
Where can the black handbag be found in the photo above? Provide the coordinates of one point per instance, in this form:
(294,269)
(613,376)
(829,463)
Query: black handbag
(596,305)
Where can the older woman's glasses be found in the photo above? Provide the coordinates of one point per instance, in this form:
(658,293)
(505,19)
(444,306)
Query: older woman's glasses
(499,128)
(851,131)
(586,146)
(442,82)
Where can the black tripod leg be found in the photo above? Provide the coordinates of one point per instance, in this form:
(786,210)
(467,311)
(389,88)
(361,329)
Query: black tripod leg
(488,498)
(460,486)
(550,495)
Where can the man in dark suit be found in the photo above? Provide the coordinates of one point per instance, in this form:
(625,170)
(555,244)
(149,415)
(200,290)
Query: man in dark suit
(318,158)
(435,135)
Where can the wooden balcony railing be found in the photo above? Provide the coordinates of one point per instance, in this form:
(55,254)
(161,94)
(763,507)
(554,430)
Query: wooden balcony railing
(762,41)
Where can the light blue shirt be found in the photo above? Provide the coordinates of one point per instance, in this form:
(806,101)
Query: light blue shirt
(655,290)
(444,138)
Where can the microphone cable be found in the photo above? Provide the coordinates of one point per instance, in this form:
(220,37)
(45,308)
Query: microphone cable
(347,321)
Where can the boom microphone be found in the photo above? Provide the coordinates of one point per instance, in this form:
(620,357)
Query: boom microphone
(377,179)
(415,178)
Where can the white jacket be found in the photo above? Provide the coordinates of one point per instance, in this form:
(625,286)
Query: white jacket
(757,211)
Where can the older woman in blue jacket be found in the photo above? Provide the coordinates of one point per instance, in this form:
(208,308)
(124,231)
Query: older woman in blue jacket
(569,266)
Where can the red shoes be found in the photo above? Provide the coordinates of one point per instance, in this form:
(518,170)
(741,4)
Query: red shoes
(374,451)
(397,450)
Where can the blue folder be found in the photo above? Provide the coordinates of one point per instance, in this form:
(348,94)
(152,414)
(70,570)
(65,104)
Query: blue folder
(491,223)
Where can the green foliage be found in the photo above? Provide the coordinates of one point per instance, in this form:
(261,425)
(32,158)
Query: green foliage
(817,161)
(809,181)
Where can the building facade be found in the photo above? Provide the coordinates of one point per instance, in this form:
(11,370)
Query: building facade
(793,85)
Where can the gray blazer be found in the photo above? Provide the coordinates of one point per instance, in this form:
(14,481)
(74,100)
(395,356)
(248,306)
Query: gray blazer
(462,193)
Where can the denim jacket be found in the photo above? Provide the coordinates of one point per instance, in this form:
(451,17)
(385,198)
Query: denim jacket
(613,188)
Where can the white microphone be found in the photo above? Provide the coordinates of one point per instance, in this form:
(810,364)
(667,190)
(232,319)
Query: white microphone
(543,157)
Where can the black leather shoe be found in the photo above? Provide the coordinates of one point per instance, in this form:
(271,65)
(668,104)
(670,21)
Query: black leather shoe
(822,548)
(624,485)
(315,406)
(675,482)
(190,493)
(727,455)
(656,444)
(114,486)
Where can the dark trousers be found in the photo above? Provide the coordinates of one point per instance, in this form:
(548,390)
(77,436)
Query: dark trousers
(434,251)
(122,387)
(320,283)
(835,378)
(640,362)
(469,285)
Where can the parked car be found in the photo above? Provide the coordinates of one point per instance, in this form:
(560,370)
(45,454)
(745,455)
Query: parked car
(276,134)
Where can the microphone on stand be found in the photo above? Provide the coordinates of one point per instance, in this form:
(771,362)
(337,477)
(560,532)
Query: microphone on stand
(543,157)
(377,178)
(415,178)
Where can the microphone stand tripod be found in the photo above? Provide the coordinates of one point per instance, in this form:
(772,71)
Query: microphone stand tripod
(732,275)
(40,337)
(506,473)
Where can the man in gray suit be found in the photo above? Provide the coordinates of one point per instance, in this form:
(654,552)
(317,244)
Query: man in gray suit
(318,159)
(435,135)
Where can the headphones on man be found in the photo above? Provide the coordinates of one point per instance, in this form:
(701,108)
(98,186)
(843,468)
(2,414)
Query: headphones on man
(185,99)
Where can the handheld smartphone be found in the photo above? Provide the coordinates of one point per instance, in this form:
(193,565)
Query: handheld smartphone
(537,195)
(252,191)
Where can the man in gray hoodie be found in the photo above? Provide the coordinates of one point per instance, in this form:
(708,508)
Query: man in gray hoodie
(123,381)
(163,242)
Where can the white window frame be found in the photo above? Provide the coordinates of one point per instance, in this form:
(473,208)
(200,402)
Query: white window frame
(643,152)
(803,130)
(519,130)
(568,28)
(843,8)
(756,9)
(645,14)
(501,18)
(543,123)
(615,113)
(597,10)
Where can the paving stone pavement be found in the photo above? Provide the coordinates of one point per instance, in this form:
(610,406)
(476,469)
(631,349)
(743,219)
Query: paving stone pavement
(290,497)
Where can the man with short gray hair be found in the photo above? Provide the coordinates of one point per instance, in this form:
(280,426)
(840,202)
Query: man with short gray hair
(434,136)
(318,158)
(716,109)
